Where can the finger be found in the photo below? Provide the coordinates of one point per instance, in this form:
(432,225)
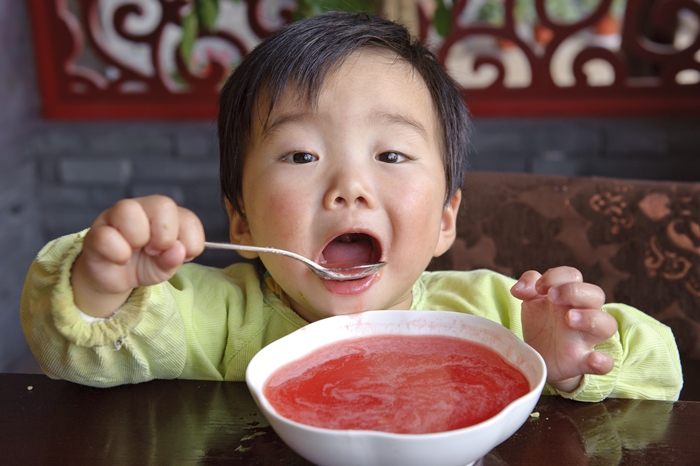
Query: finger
(598,324)
(191,233)
(577,295)
(130,220)
(599,363)
(558,276)
(163,216)
(524,288)
(108,244)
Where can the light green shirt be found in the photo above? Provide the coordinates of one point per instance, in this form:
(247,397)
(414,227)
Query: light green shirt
(207,323)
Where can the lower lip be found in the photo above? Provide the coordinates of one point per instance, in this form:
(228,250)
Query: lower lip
(349,287)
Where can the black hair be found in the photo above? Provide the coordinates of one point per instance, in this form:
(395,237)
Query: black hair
(301,54)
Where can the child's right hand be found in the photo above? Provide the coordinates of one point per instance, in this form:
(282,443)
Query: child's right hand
(137,242)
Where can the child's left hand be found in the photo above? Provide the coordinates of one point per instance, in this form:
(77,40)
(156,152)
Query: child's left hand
(562,320)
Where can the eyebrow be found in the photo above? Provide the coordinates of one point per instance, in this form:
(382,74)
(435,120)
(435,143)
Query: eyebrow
(391,118)
(280,120)
(394,118)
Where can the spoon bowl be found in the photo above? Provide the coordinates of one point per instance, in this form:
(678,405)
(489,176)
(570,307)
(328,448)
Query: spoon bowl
(327,273)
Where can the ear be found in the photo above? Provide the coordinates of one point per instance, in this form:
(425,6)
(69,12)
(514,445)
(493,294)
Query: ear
(448,226)
(238,231)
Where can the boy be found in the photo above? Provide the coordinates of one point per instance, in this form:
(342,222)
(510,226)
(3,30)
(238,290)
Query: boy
(343,140)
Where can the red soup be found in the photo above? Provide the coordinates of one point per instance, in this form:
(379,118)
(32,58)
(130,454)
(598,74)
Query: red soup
(402,384)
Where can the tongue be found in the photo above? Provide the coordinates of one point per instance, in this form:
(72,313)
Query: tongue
(348,250)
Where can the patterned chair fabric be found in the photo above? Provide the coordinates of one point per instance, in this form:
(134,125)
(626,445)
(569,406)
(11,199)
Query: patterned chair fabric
(638,240)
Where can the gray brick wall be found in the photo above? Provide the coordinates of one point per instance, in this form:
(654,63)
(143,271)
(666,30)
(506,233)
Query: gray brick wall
(20,235)
(84,168)
(57,176)
(658,148)
(20,239)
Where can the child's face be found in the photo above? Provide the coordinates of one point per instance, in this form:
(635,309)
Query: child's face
(356,179)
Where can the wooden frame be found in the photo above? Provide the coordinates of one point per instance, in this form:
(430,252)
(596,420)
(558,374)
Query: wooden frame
(67,31)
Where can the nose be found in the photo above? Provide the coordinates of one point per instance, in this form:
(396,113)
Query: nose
(349,187)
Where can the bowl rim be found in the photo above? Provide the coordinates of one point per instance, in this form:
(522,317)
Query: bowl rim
(256,387)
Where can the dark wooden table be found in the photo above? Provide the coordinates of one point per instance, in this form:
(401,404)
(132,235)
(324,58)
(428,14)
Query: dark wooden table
(180,422)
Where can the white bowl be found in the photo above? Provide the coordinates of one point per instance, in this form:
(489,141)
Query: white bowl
(367,448)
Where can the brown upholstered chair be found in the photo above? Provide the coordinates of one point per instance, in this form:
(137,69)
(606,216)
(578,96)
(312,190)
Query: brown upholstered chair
(638,240)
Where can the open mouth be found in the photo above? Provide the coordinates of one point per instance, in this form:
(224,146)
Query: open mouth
(350,249)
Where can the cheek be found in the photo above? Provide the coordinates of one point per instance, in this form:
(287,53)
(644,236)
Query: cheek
(278,211)
(421,204)
(425,188)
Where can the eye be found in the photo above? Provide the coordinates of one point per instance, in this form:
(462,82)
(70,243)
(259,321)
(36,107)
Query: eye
(391,157)
(300,157)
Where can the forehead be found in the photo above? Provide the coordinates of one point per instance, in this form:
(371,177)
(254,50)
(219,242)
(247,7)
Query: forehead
(377,76)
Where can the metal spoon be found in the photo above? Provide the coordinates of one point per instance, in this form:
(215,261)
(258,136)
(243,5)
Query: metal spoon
(328,273)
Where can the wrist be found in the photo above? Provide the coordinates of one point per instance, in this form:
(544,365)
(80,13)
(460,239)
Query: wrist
(568,385)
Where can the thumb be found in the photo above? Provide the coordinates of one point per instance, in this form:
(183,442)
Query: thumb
(171,258)
(156,268)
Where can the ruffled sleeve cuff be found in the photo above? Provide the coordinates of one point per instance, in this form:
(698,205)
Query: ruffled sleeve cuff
(102,332)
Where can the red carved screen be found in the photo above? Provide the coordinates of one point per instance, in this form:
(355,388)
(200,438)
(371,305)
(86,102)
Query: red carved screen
(134,59)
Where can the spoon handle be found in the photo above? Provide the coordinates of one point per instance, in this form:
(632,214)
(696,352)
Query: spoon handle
(340,273)
(240,247)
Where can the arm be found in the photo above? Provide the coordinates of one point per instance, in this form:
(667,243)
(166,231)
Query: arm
(143,341)
(146,338)
(203,323)
(593,353)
